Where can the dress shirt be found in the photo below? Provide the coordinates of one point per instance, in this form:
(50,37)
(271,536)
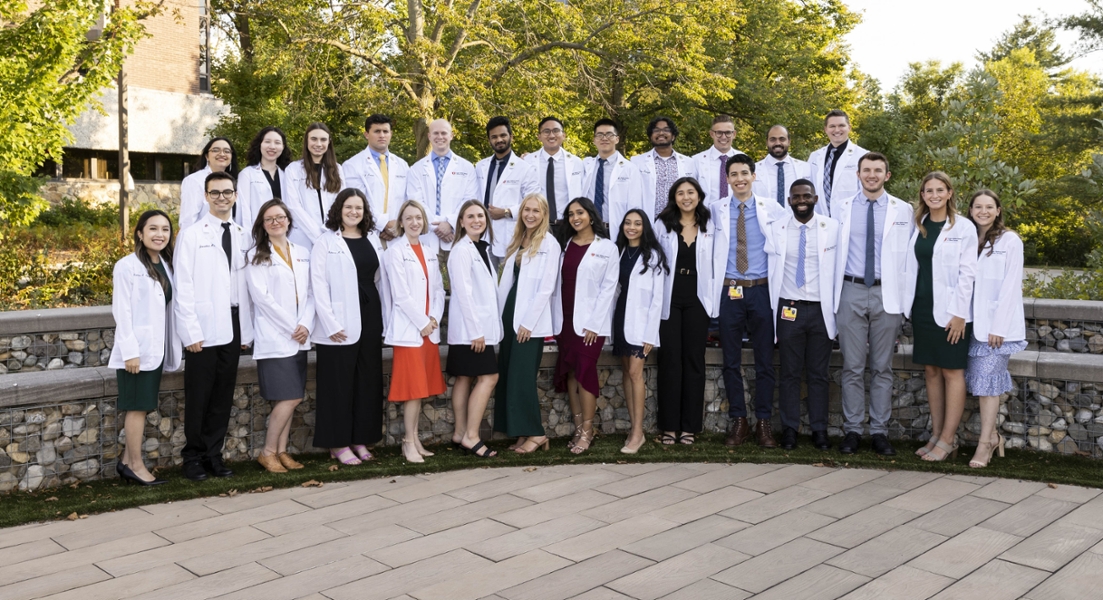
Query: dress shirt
(375,155)
(856,254)
(666,173)
(835,154)
(561,190)
(757,266)
(811,289)
(765,183)
(607,177)
(235,245)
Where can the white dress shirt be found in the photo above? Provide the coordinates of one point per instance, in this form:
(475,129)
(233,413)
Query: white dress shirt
(811,289)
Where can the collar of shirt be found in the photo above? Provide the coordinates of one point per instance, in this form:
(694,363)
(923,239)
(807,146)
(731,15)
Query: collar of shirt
(840,148)
(446,157)
(673,156)
(714,154)
(785,161)
(558,157)
(375,155)
(749,203)
(502,162)
(612,160)
(216,222)
(880,201)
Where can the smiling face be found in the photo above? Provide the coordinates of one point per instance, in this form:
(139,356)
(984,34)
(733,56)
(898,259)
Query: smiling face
(155,234)
(531,214)
(317,142)
(440,136)
(275,222)
(605,139)
(632,227)
(579,219)
(551,136)
(352,212)
(379,137)
(837,130)
(474,221)
(936,195)
(777,142)
(412,222)
(500,140)
(271,147)
(740,178)
(662,136)
(722,135)
(873,175)
(984,210)
(221,197)
(687,198)
(802,199)
(219,155)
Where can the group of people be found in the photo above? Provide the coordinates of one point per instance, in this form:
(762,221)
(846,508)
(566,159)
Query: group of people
(646,251)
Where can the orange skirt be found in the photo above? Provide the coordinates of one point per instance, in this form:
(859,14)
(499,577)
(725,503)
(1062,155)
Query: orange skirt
(416,373)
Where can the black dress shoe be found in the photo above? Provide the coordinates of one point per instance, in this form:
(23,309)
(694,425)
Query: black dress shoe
(850,443)
(789,438)
(215,467)
(194,471)
(819,440)
(882,446)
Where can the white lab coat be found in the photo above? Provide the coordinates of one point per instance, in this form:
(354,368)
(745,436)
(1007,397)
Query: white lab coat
(193,198)
(473,310)
(458,185)
(595,290)
(953,269)
(281,302)
(144,326)
(765,183)
(646,164)
(539,280)
(827,245)
(336,290)
(766,211)
(407,288)
(517,181)
(705,271)
(203,283)
(310,220)
(707,166)
(625,188)
(253,191)
(573,170)
(899,225)
(362,172)
(998,292)
(644,306)
(844,184)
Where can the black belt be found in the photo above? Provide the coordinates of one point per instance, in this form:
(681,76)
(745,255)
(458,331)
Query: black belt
(860,280)
(747,282)
(800,302)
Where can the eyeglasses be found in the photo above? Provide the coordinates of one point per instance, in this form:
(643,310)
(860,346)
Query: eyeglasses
(608,135)
(220,151)
(551,131)
(275,220)
(723,133)
(661,130)
(216,194)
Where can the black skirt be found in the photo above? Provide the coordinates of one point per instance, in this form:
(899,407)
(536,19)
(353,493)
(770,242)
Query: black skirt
(465,362)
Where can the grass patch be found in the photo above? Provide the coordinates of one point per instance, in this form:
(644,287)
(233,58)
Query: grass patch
(110,495)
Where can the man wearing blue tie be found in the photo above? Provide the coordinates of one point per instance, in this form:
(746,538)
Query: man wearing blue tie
(610,180)
(778,171)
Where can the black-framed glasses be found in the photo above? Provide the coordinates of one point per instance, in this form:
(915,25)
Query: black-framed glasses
(607,135)
(216,194)
(275,220)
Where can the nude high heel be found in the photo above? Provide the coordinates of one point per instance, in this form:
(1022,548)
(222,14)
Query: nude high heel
(409,450)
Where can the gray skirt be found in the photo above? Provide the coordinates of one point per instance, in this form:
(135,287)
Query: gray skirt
(282,378)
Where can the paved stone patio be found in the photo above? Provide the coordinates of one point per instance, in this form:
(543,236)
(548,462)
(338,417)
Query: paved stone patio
(598,532)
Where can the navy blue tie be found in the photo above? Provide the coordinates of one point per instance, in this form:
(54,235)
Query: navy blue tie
(781,184)
(599,188)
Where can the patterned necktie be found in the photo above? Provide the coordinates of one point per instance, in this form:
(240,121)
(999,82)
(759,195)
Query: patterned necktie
(440,163)
(827,178)
(599,188)
(549,185)
(741,262)
(781,184)
(723,176)
(386,181)
(871,254)
(801,255)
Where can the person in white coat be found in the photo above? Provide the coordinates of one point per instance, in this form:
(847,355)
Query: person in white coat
(610,180)
(474,326)
(661,166)
(999,326)
(529,278)
(711,165)
(263,178)
(215,323)
(558,172)
(939,273)
(347,282)
(874,229)
(379,174)
(278,273)
(637,312)
(801,251)
(778,170)
(145,339)
(504,179)
(834,167)
(217,156)
(416,294)
(312,185)
(582,312)
(441,182)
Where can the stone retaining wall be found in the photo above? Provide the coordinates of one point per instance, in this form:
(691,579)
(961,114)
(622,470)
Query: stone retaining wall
(165,195)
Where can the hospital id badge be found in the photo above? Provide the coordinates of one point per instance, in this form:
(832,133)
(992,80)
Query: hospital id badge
(735,292)
(788,313)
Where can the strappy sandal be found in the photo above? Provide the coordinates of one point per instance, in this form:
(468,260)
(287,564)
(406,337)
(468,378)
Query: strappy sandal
(345,456)
(666,439)
(362,452)
(992,449)
(687,439)
(586,439)
(948,451)
(479,446)
(577,419)
(534,443)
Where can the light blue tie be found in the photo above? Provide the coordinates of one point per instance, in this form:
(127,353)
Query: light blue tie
(599,189)
(827,178)
(781,184)
(801,254)
(440,164)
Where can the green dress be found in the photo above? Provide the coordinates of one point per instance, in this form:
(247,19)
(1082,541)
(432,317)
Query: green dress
(931,347)
(516,402)
(141,391)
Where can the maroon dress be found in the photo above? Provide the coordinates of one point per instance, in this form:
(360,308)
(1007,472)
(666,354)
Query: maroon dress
(574,354)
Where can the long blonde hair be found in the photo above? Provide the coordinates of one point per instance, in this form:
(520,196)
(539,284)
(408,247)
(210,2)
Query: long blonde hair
(923,210)
(538,233)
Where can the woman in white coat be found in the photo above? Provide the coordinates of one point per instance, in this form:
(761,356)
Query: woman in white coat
(145,341)
(638,310)
(474,326)
(529,276)
(218,155)
(582,312)
(278,273)
(263,178)
(938,292)
(999,326)
(416,293)
(312,185)
(347,284)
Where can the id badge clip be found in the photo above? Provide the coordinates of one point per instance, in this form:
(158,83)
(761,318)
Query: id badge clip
(735,292)
(788,313)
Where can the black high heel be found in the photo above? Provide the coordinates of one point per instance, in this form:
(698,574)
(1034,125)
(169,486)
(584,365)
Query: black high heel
(130,477)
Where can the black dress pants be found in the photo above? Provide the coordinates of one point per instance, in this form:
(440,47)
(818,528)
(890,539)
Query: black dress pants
(209,380)
(681,385)
(804,348)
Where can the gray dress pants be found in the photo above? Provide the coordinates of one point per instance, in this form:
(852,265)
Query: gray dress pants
(866,331)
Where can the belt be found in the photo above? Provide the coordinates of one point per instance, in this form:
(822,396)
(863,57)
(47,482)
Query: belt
(747,282)
(686,272)
(860,280)
(800,302)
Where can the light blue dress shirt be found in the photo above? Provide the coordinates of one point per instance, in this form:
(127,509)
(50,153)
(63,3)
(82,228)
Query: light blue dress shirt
(756,242)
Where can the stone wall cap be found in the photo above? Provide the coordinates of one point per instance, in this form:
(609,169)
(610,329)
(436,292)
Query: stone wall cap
(20,322)
(52,387)
(1067,366)
(1067,310)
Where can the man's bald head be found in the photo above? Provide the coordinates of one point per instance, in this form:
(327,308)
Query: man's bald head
(777,141)
(440,136)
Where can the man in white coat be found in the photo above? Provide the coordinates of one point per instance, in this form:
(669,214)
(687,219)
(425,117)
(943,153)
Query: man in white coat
(558,172)
(378,173)
(711,165)
(874,233)
(441,182)
(214,321)
(777,172)
(661,166)
(610,180)
(801,252)
(504,180)
(834,167)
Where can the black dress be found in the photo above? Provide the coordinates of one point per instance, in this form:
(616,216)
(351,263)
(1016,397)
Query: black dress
(621,347)
(462,360)
(349,396)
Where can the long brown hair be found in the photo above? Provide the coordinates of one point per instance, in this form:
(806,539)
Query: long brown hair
(262,253)
(140,249)
(923,210)
(461,231)
(519,229)
(996,230)
(329,162)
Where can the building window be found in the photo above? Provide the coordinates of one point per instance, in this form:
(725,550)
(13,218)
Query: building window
(77,163)
(204,46)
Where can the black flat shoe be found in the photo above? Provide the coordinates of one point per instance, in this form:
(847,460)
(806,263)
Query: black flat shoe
(819,440)
(217,468)
(881,445)
(789,438)
(850,443)
(194,471)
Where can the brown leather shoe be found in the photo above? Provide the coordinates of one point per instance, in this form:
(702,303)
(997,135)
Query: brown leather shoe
(764,434)
(738,432)
(271,463)
(288,462)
